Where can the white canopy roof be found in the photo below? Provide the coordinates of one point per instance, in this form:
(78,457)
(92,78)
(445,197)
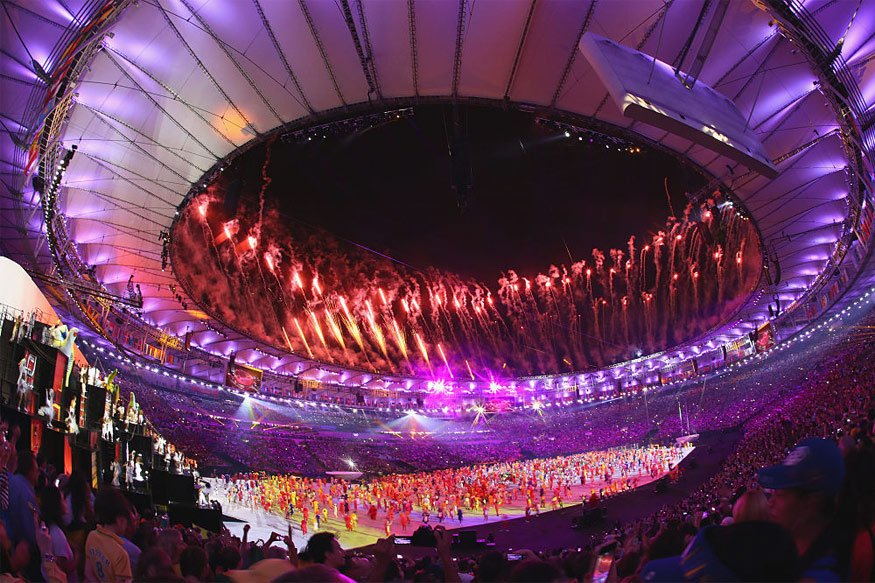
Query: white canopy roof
(180,84)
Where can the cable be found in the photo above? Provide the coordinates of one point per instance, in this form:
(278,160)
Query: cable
(15,28)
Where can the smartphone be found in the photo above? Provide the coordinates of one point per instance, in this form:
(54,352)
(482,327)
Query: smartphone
(603,567)
(402,540)
(399,556)
(514,557)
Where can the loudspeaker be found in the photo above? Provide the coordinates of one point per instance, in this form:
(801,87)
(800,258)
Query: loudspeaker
(52,449)
(158,485)
(95,406)
(44,376)
(168,488)
(181,489)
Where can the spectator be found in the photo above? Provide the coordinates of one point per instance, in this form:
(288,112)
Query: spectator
(492,567)
(170,539)
(155,566)
(803,501)
(79,518)
(106,558)
(751,506)
(52,507)
(748,551)
(534,571)
(323,548)
(265,571)
(20,521)
(80,501)
(194,564)
(13,558)
(857,516)
(227,559)
(131,549)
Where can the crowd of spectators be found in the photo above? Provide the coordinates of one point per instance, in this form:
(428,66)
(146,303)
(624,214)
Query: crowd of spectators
(307,439)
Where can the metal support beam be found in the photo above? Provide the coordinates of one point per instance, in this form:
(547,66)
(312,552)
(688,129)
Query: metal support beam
(148,95)
(519,49)
(356,41)
(181,38)
(414,60)
(82,287)
(682,55)
(574,50)
(318,40)
(279,51)
(222,45)
(707,43)
(457,57)
(370,50)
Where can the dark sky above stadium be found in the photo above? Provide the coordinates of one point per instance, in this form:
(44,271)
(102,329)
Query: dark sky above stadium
(536,195)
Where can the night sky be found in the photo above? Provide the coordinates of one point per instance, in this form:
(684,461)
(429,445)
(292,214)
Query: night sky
(534,191)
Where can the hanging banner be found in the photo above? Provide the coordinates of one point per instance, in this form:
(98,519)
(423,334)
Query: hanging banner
(152,351)
(111,326)
(678,371)
(863,229)
(134,339)
(738,349)
(243,378)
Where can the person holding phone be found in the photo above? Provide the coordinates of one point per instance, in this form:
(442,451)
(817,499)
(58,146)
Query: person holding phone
(604,560)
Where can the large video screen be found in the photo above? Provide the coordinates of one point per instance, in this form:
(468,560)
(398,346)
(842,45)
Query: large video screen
(647,90)
(243,378)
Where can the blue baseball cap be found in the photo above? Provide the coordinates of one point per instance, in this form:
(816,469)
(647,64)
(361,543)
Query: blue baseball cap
(814,465)
(731,553)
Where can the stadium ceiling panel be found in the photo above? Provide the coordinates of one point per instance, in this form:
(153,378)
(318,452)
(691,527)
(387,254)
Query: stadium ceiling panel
(175,86)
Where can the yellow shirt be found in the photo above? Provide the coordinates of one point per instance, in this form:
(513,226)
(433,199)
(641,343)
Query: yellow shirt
(105,558)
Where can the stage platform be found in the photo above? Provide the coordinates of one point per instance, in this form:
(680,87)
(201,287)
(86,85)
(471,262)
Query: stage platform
(368,532)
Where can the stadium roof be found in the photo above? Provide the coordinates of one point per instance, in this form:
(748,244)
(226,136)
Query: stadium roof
(154,94)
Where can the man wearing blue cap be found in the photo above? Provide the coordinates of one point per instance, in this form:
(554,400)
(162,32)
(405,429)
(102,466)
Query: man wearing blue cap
(803,500)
